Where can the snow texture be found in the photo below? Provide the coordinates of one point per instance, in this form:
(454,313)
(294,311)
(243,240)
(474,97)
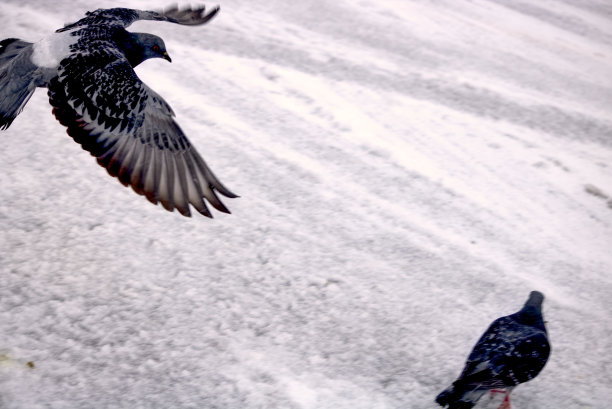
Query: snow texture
(408,172)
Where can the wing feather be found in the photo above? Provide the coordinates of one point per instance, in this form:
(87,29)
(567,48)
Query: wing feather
(170,181)
(130,128)
(180,189)
(123,17)
(138,171)
(195,190)
(151,185)
(126,167)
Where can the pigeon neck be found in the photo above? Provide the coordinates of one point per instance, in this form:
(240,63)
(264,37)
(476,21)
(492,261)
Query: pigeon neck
(132,47)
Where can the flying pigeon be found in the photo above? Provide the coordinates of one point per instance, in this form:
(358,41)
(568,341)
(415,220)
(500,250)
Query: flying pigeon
(513,350)
(88,68)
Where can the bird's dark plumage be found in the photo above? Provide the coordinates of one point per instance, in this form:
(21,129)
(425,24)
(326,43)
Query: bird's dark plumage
(513,350)
(87,67)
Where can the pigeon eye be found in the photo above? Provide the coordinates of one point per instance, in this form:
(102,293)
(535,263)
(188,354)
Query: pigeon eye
(155,48)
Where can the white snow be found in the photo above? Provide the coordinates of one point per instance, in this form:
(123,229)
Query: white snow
(408,172)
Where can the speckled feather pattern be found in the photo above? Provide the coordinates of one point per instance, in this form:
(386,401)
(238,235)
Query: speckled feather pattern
(514,353)
(121,121)
(514,349)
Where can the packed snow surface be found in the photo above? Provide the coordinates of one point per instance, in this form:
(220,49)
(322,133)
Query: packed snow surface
(408,172)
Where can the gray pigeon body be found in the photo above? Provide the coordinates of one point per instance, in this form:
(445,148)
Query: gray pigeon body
(513,350)
(88,68)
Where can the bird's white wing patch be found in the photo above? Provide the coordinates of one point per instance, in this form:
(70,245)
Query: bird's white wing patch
(49,51)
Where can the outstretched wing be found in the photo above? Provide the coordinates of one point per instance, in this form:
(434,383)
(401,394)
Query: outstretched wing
(131,130)
(124,17)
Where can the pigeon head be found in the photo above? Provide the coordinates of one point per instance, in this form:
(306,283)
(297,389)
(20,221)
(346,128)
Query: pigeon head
(531,313)
(535,299)
(141,46)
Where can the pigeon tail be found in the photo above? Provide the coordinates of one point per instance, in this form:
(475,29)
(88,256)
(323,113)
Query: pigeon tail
(454,397)
(17,78)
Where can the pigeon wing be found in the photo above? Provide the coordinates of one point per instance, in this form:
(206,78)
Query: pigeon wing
(527,358)
(123,17)
(508,353)
(131,131)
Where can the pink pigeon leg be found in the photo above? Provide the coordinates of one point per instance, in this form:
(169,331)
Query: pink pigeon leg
(506,403)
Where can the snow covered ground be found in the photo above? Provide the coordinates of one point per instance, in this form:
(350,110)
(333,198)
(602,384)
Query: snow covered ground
(408,172)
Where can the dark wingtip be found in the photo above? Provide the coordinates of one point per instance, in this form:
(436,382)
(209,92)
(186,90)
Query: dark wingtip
(189,16)
(6,42)
(211,13)
(230,195)
(216,9)
(223,209)
(206,17)
(5,122)
(224,191)
(205,212)
(185,212)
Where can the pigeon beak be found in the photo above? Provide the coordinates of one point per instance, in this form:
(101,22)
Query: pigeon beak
(166,57)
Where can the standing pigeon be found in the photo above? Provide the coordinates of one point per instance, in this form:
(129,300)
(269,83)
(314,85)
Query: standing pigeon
(513,350)
(88,68)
